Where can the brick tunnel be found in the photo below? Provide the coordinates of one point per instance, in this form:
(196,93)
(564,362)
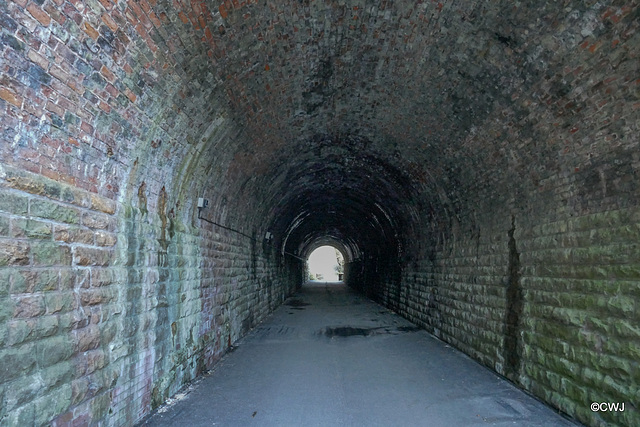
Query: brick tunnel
(476,163)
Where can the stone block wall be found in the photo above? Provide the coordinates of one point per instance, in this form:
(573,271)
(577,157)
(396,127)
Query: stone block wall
(549,301)
(553,306)
(113,294)
(56,244)
(532,265)
(104,315)
(579,334)
(459,294)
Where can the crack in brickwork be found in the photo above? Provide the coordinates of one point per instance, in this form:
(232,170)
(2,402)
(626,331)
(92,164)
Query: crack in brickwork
(513,312)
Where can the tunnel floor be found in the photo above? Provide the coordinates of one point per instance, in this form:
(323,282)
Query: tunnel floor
(330,356)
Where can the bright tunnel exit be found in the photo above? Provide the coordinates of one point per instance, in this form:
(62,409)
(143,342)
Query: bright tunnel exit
(326,264)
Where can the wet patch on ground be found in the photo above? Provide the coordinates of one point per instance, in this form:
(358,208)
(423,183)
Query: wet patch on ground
(408,328)
(352,331)
(348,331)
(297,303)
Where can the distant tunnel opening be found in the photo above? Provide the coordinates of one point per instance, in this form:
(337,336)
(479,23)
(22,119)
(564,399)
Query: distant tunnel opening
(325,263)
(365,206)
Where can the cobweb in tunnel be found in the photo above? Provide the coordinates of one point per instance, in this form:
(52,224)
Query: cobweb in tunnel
(325,264)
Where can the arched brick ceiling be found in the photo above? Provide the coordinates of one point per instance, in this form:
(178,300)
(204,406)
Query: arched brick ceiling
(424,98)
(388,111)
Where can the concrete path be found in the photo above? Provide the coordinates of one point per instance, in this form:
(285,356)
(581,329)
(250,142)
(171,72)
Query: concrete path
(330,357)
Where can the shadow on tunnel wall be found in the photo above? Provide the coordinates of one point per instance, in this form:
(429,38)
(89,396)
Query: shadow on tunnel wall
(379,278)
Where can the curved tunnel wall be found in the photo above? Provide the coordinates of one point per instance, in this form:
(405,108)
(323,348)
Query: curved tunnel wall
(477,162)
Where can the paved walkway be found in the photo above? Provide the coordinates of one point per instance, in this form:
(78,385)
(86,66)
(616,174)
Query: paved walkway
(330,357)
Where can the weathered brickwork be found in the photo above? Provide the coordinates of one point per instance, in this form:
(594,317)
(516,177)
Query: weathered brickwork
(559,222)
(577,337)
(54,250)
(112,299)
(477,162)
(581,343)
(103,322)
